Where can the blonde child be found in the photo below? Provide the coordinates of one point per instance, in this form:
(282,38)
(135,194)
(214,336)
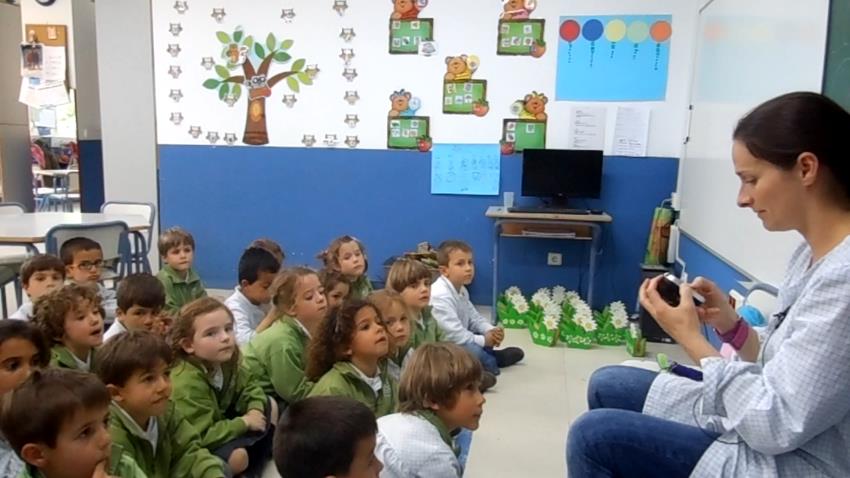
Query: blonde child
(439,394)
(40,274)
(347,255)
(57,421)
(22,350)
(394,313)
(83,259)
(135,366)
(213,392)
(337,287)
(182,283)
(70,318)
(412,280)
(277,357)
(348,357)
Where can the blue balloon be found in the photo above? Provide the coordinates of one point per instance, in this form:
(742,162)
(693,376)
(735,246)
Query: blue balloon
(592,30)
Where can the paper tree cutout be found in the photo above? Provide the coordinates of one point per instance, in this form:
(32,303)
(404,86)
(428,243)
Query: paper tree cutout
(255,60)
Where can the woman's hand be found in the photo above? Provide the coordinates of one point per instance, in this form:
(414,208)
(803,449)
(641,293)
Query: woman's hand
(716,311)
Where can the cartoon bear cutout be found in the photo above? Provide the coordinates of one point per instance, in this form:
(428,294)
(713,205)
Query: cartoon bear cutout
(403,104)
(534,106)
(459,68)
(407,9)
(518,9)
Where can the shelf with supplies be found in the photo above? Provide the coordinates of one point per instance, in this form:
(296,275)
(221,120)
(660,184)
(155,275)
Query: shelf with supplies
(547,231)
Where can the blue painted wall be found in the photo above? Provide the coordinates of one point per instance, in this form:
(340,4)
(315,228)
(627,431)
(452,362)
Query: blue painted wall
(91,175)
(228,196)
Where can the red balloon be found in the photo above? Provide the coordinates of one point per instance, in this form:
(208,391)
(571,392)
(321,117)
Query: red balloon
(570,30)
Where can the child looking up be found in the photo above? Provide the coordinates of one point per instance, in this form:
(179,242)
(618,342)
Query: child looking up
(347,255)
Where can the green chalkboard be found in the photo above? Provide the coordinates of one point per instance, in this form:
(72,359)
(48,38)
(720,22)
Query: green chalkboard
(460,97)
(518,37)
(524,133)
(406,35)
(836,83)
(403,132)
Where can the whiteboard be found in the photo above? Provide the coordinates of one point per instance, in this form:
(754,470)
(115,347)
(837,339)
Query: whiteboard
(748,51)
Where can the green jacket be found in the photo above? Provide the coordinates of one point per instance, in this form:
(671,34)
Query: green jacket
(276,359)
(344,380)
(425,330)
(61,357)
(360,288)
(178,450)
(120,465)
(179,291)
(217,415)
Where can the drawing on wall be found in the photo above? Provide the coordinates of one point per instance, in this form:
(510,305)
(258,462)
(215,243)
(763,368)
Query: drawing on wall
(528,129)
(405,130)
(461,93)
(518,34)
(594,66)
(255,60)
(407,30)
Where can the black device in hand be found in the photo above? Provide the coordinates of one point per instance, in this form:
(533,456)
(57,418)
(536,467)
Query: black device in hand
(668,288)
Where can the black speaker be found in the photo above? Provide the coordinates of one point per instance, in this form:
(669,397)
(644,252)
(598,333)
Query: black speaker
(648,326)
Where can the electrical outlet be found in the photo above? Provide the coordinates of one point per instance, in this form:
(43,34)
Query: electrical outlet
(554,259)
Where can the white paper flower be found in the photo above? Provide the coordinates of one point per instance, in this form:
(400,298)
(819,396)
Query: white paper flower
(541,297)
(559,293)
(553,309)
(588,325)
(513,291)
(551,322)
(522,306)
(571,296)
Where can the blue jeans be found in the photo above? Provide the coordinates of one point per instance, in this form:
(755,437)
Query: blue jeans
(484,355)
(614,439)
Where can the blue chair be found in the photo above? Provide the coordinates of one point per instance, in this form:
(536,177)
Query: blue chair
(139,249)
(112,236)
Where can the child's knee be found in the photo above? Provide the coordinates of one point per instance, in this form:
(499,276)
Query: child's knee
(238,461)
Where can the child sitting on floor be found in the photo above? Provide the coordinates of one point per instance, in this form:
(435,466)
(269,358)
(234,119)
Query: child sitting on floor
(40,274)
(70,318)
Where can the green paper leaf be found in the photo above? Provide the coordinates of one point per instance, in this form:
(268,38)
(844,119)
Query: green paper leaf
(223,91)
(298,65)
(237,35)
(236,90)
(271,41)
(293,84)
(287,44)
(282,57)
(222,71)
(260,51)
(224,51)
(211,84)
(249,41)
(222,37)
(304,78)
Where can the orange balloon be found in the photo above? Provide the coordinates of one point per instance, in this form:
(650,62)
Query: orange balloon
(661,31)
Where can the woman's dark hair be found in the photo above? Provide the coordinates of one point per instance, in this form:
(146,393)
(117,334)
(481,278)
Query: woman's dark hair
(779,130)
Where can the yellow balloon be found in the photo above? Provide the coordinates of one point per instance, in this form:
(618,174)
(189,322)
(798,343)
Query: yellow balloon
(615,30)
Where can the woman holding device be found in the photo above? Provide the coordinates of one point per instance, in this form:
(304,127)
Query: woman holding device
(783,409)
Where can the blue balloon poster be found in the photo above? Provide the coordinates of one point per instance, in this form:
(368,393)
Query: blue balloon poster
(613,57)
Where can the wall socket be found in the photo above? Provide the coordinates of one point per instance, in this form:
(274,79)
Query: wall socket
(554,259)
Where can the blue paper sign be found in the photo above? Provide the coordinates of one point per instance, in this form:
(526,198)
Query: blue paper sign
(613,57)
(472,169)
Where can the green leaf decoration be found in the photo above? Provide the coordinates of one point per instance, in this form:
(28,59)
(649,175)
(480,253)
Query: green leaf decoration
(298,65)
(249,42)
(282,57)
(271,42)
(287,44)
(259,50)
(236,90)
(222,37)
(211,84)
(223,91)
(237,36)
(222,71)
(224,51)
(304,78)
(293,84)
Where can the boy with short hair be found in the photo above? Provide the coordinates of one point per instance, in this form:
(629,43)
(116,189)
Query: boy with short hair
(140,300)
(439,394)
(71,319)
(412,280)
(40,274)
(135,367)
(57,422)
(83,259)
(326,436)
(249,303)
(182,283)
(460,321)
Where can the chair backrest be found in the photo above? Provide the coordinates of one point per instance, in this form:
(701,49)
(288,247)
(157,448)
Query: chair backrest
(112,237)
(11,209)
(144,209)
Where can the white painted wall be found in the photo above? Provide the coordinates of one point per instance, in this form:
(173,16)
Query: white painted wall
(125,68)
(460,27)
(85,66)
(15,169)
